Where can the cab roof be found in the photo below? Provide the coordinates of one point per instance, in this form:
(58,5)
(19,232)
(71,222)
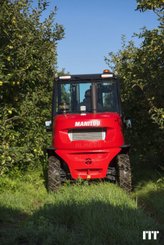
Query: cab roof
(76,77)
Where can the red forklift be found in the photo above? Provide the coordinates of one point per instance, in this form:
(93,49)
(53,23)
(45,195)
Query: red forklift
(87,131)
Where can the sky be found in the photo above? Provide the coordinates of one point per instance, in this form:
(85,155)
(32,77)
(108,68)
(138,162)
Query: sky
(93,28)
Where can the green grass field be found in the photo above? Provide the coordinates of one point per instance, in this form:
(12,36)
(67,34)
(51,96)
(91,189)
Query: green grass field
(95,214)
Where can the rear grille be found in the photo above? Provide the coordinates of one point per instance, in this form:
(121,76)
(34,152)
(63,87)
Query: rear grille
(87,134)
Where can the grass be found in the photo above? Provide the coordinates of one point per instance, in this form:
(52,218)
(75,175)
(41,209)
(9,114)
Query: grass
(95,214)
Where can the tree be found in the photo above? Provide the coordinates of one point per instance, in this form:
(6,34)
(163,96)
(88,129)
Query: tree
(155,5)
(27,67)
(141,71)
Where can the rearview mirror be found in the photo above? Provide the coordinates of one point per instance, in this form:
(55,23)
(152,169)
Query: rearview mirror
(48,125)
(127,122)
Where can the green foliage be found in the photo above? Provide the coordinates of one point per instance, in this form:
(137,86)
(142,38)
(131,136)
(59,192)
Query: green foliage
(28,46)
(27,67)
(141,72)
(149,4)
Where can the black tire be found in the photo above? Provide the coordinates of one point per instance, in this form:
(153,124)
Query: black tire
(124,172)
(54,178)
(111,174)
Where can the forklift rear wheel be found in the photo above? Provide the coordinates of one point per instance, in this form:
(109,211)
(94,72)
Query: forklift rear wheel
(124,172)
(54,178)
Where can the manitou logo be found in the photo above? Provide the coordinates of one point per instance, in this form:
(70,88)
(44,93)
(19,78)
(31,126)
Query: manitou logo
(150,235)
(87,123)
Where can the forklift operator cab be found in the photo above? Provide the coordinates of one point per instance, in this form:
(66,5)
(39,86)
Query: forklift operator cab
(86,93)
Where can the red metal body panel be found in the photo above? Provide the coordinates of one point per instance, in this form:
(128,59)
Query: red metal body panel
(88,158)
